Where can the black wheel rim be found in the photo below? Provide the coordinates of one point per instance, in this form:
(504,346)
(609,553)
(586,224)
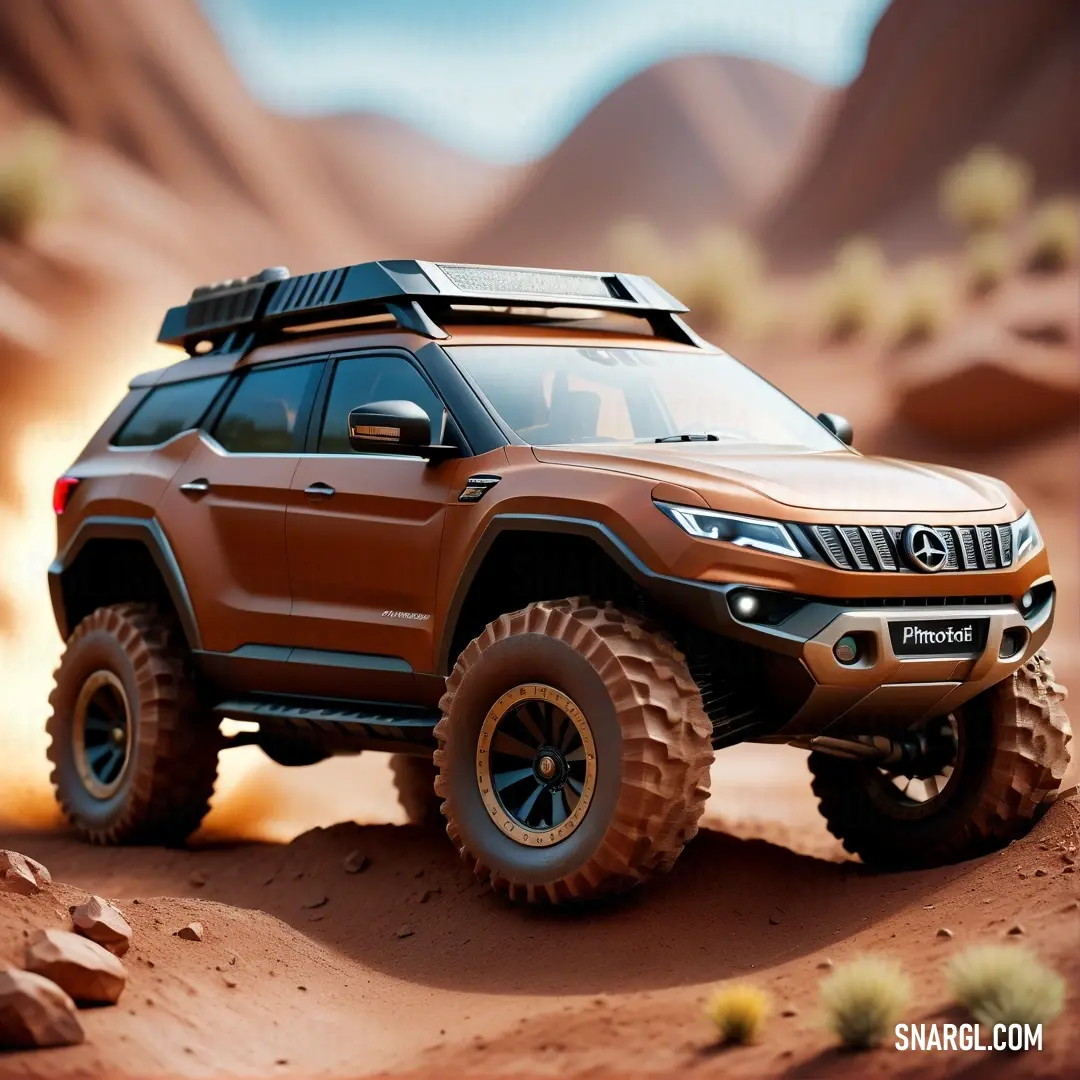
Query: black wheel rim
(536,764)
(101,734)
(921,793)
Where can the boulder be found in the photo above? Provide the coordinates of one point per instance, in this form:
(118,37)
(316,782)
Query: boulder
(87,972)
(35,1012)
(21,874)
(99,921)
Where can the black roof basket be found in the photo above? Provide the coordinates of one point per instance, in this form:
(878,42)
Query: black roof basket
(414,293)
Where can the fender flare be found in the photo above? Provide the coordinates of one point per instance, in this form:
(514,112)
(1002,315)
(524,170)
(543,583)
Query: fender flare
(149,533)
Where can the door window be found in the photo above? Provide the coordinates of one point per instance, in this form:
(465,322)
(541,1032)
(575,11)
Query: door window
(168,410)
(361,380)
(268,412)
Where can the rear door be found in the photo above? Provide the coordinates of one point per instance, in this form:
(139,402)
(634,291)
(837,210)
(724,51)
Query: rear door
(364,529)
(224,510)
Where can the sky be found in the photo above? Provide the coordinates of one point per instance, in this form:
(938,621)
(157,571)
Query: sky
(508,79)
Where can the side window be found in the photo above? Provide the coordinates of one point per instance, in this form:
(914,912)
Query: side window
(264,413)
(360,380)
(168,410)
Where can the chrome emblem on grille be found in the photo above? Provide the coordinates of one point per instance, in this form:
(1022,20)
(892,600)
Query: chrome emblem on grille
(924,549)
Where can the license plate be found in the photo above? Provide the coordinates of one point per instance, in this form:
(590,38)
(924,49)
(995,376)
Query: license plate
(939,637)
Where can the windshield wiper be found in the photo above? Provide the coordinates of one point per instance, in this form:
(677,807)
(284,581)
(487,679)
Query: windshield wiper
(695,436)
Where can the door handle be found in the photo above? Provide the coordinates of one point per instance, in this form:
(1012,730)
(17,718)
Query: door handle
(319,491)
(196,487)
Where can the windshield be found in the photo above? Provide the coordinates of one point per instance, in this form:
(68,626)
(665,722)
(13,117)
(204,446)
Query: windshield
(557,394)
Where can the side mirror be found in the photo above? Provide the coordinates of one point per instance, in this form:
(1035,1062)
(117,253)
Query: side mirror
(394,427)
(840,426)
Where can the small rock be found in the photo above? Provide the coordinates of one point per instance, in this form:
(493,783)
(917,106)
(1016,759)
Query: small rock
(22,875)
(944,932)
(1069,870)
(197,879)
(99,921)
(1021,874)
(1068,857)
(35,1012)
(192,932)
(825,965)
(230,983)
(321,900)
(427,894)
(355,862)
(774,920)
(81,968)
(1040,872)
(928,907)
(1015,930)
(406,931)
(419,873)
(789,1012)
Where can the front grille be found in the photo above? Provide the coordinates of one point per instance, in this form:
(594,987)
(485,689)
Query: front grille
(880,547)
(918,601)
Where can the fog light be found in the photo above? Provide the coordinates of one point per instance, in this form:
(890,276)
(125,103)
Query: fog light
(1026,601)
(846,650)
(1012,642)
(745,605)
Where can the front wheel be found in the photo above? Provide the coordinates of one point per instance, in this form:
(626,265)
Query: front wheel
(990,769)
(573,752)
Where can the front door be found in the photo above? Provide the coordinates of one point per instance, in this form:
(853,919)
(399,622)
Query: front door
(224,511)
(363,530)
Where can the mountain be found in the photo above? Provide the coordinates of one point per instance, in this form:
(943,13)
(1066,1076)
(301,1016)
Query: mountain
(939,79)
(688,142)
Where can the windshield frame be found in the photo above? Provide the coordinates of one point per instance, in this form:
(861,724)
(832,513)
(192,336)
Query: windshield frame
(830,441)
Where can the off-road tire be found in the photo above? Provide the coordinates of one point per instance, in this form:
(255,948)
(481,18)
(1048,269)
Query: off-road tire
(414,780)
(1013,754)
(165,791)
(652,739)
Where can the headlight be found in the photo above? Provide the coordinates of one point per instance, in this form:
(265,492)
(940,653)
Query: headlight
(749,532)
(1025,537)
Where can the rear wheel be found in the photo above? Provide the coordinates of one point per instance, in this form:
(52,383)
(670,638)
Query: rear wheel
(987,772)
(573,753)
(134,756)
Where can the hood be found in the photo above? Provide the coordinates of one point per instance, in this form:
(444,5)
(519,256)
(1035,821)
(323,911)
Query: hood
(842,480)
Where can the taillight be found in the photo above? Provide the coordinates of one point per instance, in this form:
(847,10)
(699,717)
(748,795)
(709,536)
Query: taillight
(62,492)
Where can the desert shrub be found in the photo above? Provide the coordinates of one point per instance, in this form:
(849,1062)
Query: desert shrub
(985,190)
(925,304)
(739,1011)
(863,1001)
(29,187)
(852,292)
(721,281)
(1005,984)
(987,262)
(1054,236)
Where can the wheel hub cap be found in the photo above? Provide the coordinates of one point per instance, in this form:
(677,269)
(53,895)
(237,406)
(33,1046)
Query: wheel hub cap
(101,726)
(536,764)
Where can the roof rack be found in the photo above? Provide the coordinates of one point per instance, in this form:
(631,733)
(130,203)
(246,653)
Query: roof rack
(414,292)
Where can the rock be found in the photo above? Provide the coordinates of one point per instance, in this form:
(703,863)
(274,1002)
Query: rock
(192,932)
(944,932)
(35,1012)
(1015,930)
(355,862)
(825,965)
(99,921)
(774,920)
(789,1012)
(21,874)
(197,879)
(406,931)
(427,895)
(1040,872)
(81,968)
(316,900)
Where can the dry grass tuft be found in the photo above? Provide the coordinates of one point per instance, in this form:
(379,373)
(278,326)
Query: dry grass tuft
(1054,236)
(852,292)
(1005,984)
(29,186)
(985,190)
(739,1011)
(987,262)
(926,303)
(863,1001)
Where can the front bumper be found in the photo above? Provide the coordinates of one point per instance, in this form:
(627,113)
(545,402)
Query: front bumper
(880,692)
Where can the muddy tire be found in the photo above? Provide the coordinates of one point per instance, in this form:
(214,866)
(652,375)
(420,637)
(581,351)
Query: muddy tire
(618,721)
(1012,753)
(134,756)
(414,780)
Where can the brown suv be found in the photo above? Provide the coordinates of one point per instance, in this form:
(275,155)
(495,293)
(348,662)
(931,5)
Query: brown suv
(528,532)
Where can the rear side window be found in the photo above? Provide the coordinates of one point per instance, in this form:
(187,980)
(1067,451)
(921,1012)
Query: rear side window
(168,410)
(268,412)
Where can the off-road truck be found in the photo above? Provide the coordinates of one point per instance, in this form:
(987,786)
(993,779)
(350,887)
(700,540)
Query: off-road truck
(528,532)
